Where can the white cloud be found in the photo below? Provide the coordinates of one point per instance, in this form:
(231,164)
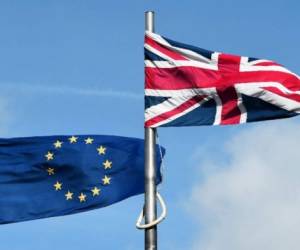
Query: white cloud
(67,90)
(253,200)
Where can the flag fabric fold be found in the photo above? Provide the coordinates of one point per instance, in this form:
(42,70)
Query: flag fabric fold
(189,86)
(58,175)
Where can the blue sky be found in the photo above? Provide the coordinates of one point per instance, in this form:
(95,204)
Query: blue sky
(76,67)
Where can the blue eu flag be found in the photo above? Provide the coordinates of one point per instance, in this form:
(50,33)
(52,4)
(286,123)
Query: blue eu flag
(58,175)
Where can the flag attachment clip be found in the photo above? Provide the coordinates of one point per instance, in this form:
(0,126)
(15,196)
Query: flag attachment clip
(163,215)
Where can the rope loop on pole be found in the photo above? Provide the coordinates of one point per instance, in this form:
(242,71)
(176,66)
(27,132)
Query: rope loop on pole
(163,215)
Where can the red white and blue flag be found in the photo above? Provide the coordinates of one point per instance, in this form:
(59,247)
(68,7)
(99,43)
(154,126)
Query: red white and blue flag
(189,86)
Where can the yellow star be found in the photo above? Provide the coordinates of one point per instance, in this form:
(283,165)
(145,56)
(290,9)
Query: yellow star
(89,140)
(57,186)
(101,150)
(49,156)
(106,180)
(82,197)
(107,164)
(58,144)
(96,191)
(69,195)
(50,171)
(73,139)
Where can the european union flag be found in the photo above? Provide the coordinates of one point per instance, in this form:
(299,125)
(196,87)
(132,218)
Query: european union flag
(59,175)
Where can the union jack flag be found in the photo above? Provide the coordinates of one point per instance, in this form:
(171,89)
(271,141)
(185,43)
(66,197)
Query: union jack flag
(189,86)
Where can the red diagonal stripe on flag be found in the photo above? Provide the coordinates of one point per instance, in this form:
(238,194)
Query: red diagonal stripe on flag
(292,96)
(163,49)
(181,108)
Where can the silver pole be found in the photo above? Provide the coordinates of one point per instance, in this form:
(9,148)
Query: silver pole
(150,169)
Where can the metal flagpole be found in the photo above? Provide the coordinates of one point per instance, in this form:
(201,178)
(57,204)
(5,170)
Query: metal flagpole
(150,168)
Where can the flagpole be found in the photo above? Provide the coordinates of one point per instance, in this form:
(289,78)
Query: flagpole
(150,168)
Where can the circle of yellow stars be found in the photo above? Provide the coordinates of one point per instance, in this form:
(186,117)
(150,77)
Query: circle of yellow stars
(58,186)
